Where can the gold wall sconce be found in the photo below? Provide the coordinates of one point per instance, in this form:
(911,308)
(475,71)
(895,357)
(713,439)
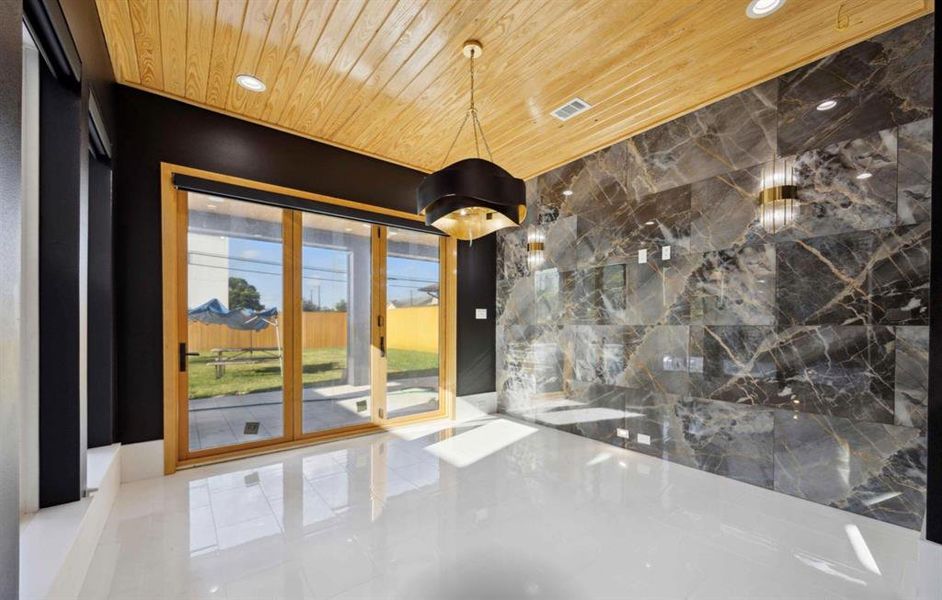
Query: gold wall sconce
(778,198)
(536,240)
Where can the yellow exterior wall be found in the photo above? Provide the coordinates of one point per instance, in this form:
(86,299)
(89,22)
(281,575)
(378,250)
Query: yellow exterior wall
(413,328)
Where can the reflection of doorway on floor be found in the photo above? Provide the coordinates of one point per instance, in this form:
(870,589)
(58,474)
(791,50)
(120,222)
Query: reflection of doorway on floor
(223,420)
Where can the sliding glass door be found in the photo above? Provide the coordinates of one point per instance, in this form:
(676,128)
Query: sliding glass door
(234,348)
(335,297)
(301,325)
(413,319)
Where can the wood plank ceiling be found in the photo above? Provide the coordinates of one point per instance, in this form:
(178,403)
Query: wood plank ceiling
(386,77)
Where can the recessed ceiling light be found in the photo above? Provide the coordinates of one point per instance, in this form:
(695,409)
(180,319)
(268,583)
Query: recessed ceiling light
(567,192)
(827,105)
(763,8)
(252,84)
(864,175)
(649,222)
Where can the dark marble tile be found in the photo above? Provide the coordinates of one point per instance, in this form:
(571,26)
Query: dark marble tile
(596,183)
(915,172)
(529,365)
(878,84)
(868,468)
(651,422)
(824,280)
(723,211)
(560,243)
(547,307)
(837,370)
(898,276)
(512,254)
(731,134)
(598,353)
(726,439)
(831,197)
(912,376)
(655,359)
(655,290)
(734,287)
(867,277)
(647,223)
(592,410)
(594,295)
(733,364)
(516,302)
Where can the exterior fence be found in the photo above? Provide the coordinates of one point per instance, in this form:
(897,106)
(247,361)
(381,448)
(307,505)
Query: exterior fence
(414,328)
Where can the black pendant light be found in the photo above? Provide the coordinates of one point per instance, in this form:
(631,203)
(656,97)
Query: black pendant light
(472,197)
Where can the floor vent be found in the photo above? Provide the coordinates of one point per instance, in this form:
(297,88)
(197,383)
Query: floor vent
(571,109)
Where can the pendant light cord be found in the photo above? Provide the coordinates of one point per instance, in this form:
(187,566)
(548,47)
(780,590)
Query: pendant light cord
(475,125)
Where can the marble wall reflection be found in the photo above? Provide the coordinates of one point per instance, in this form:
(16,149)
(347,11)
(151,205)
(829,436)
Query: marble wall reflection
(664,319)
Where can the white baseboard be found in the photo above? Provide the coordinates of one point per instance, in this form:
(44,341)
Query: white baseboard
(929,571)
(473,406)
(57,543)
(142,460)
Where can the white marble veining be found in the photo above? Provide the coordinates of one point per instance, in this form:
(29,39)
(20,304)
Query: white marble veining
(488,509)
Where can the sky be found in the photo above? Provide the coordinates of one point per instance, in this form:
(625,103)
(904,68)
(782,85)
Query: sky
(324,279)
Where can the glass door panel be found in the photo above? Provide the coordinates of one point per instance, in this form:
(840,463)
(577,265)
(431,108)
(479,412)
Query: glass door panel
(336,322)
(412,323)
(234,323)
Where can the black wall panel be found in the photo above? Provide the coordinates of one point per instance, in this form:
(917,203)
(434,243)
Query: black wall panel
(477,285)
(63,165)
(100,306)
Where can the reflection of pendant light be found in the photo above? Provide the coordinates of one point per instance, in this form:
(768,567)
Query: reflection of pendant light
(472,197)
(778,198)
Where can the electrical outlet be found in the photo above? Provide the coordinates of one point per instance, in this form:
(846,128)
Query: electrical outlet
(644,439)
(665,252)
(642,256)
(623,433)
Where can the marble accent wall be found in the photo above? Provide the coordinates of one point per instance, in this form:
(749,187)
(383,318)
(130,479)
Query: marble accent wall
(796,361)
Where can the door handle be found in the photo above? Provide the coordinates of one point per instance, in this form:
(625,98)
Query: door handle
(382,346)
(183,355)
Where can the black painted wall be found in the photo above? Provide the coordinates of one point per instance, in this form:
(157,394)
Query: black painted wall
(477,285)
(100,306)
(63,170)
(151,129)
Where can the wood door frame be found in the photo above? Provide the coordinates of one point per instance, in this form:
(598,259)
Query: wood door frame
(173,263)
(447,333)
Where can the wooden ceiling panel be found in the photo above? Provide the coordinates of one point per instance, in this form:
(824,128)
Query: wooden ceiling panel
(386,77)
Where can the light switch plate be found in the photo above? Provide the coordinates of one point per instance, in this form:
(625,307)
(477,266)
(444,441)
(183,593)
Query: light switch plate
(480,313)
(642,256)
(665,252)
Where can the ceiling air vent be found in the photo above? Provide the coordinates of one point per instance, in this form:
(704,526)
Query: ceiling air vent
(571,109)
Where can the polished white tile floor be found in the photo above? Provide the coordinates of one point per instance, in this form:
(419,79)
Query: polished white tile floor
(490,509)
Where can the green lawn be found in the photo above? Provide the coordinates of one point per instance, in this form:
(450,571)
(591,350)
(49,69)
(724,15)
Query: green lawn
(322,366)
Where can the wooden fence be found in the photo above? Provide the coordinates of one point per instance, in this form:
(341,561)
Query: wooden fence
(414,328)
(320,330)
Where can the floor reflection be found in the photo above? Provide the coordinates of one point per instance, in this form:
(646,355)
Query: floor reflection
(488,509)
